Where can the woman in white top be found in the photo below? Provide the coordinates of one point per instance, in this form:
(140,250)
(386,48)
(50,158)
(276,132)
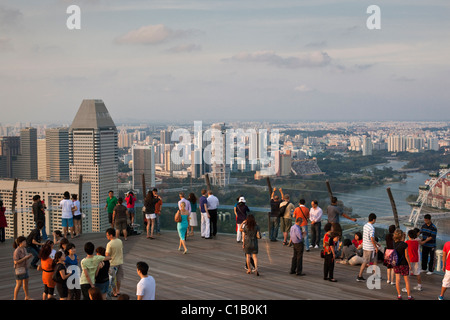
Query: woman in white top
(67,214)
(76,215)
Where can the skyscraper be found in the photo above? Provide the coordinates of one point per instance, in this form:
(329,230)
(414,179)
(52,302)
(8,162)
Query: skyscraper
(143,163)
(9,149)
(25,166)
(57,154)
(93,153)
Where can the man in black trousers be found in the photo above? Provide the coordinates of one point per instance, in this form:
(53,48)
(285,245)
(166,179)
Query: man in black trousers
(297,243)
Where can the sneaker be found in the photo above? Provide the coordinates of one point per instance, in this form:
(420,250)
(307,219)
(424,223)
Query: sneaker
(399,297)
(358,278)
(440,298)
(429,272)
(418,288)
(411,298)
(316,247)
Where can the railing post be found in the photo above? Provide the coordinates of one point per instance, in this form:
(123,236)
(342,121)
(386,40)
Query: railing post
(394,207)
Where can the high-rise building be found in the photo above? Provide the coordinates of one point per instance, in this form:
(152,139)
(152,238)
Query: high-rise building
(25,165)
(165,137)
(143,164)
(93,153)
(220,169)
(367,146)
(9,149)
(396,144)
(51,193)
(57,154)
(42,159)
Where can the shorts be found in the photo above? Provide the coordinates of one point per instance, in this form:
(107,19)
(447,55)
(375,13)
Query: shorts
(49,290)
(121,225)
(131,210)
(285,224)
(116,274)
(403,270)
(22,276)
(77,217)
(149,216)
(67,223)
(415,268)
(62,289)
(103,286)
(369,256)
(446,280)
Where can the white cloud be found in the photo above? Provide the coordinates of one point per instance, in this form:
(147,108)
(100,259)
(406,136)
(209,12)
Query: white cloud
(185,48)
(152,34)
(305,60)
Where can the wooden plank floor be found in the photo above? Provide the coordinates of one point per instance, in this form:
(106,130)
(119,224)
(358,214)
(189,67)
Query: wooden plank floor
(214,270)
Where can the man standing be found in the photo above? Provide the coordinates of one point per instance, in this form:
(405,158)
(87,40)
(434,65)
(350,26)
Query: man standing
(205,221)
(114,249)
(146,287)
(315,216)
(183,199)
(111,203)
(297,242)
(334,212)
(428,232)
(158,206)
(213,204)
(274,216)
(286,210)
(39,214)
(370,248)
(303,212)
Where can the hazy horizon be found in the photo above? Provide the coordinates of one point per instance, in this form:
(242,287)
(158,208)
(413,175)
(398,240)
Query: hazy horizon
(225,61)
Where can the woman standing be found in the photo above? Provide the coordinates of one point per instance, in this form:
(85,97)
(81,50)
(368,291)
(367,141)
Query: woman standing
(20,258)
(130,199)
(183,225)
(60,276)
(47,266)
(193,216)
(250,237)
(76,215)
(402,266)
(240,211)
(329,250)
(3,223)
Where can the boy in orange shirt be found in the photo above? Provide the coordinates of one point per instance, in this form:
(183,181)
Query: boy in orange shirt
(303,212)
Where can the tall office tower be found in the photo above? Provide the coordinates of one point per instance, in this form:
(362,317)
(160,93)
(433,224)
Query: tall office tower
(57,151)
(220,169)
(9,149)
(165,137)
(93,153)
(433,144)
(196,163)
(367,146)
(25,166)
(143,164)
(42,159)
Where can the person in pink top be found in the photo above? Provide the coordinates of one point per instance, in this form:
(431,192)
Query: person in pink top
(130,199)
(446,266)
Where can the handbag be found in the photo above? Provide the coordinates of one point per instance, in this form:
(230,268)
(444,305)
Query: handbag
(178,217)
(20,270)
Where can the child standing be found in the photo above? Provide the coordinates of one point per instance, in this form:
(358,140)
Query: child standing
(60,276)
(402,267)
(413,252)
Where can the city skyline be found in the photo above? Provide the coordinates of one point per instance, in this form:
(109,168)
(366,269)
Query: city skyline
(227,61)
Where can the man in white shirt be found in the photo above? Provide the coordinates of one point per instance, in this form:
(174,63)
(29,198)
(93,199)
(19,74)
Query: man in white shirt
(183,199)
(146,287)
(213,204)
(370,248)
(315,216)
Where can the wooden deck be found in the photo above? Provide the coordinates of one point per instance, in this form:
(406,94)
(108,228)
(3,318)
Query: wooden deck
(214,270)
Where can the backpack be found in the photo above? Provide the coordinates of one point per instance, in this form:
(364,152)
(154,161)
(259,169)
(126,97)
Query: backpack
(390,258)
(283,209)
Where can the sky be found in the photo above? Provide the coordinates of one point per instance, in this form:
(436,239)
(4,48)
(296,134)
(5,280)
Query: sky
(225,60)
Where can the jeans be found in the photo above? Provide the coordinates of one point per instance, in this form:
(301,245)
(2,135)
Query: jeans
(305,236)
(274,223)
(315,233)
(35,254)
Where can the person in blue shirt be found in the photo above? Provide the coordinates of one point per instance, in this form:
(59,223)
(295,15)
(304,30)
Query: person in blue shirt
(428,233)
(296,240)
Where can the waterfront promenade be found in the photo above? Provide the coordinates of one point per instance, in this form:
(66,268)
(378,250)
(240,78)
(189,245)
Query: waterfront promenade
(214,270)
